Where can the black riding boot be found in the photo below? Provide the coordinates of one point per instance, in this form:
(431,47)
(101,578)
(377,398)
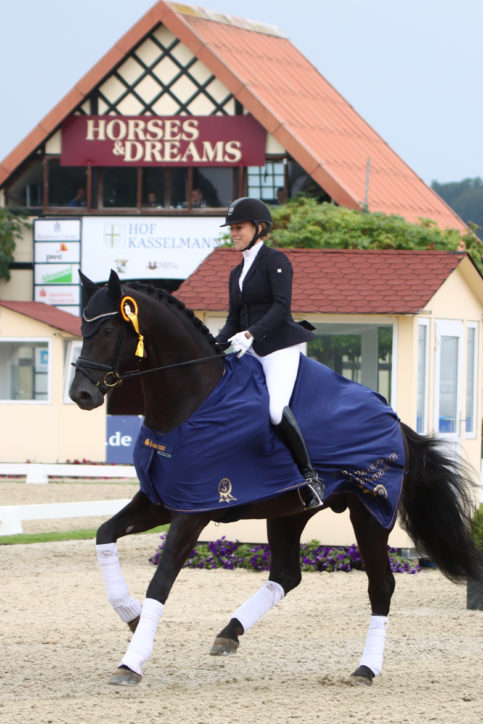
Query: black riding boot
(311,494)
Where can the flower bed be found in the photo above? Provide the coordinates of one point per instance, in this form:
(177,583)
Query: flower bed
(222,553)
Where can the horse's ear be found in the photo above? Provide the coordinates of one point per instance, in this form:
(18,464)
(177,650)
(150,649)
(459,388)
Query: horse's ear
(89,288)
(114,287)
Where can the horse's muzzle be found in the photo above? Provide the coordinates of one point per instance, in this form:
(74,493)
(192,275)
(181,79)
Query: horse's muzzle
(85,394)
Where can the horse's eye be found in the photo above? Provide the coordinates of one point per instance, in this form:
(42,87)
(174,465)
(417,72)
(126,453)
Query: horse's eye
(108,330)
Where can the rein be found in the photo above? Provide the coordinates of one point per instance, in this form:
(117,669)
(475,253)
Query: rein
(113,378)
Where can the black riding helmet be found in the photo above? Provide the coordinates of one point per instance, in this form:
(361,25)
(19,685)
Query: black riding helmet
(248,209)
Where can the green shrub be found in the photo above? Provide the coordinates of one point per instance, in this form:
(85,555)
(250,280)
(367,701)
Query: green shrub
(478,527)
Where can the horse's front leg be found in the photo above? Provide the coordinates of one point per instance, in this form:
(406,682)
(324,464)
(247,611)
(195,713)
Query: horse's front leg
(283,536)
(183,533)
(372,541)
(137,516)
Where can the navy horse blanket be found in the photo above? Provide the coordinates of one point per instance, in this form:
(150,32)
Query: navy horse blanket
(227,453)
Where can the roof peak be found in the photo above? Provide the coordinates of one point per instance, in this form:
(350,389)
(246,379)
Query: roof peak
(217,17)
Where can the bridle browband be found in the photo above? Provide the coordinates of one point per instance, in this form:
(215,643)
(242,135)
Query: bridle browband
(112,378)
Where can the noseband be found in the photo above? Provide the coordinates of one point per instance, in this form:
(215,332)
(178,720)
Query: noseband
(112,378)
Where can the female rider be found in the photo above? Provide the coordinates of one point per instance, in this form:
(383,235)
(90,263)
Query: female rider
(260,322)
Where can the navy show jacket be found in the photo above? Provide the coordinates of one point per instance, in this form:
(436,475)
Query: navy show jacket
(263,305)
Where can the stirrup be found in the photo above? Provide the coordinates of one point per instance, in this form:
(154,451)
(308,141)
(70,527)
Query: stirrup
(312,493)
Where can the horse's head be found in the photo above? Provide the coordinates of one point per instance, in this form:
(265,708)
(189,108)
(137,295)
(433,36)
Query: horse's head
(111,341)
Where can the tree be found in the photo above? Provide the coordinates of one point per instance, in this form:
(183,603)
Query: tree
(466,198)
(12,224)
(304,223)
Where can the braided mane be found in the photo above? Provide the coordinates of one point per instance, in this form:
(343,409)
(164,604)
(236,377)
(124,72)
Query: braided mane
(169,299)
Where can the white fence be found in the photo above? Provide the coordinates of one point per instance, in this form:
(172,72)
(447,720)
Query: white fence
(40,472)
(11,516)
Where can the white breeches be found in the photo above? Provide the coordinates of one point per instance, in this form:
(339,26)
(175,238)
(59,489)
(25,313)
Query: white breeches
(280,369)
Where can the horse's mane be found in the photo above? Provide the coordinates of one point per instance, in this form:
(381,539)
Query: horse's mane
(170,299)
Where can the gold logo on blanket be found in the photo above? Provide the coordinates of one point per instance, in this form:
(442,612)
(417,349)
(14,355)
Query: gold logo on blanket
(380,490)
(367,480)
(224,489)
(155,445)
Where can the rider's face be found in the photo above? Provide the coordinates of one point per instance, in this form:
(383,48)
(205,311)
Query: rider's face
(242,234)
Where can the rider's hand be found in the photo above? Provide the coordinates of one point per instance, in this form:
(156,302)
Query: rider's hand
(241,342)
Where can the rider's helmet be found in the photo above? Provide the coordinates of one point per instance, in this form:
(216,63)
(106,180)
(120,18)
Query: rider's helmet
(248,209)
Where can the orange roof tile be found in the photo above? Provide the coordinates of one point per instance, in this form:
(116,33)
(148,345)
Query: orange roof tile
(289,97)
(335,281)
(47,314)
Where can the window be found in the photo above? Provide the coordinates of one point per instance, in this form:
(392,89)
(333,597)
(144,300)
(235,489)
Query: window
(26,190)
(300,182)
(422,377)
(153,188)
(360,352)
(67,184)
(119,187)
(448,379)
(215,186)
(24,370)
(71,357)
(448,385)
(266,182)
(471,378)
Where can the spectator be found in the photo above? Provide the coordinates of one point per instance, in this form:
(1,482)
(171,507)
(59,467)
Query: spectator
(79,199)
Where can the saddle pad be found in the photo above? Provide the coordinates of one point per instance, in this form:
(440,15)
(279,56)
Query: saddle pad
(227,453)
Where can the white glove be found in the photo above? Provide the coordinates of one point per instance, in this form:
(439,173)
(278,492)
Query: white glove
(241,342)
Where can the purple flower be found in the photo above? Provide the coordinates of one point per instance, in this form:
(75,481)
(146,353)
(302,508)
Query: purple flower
(313,557)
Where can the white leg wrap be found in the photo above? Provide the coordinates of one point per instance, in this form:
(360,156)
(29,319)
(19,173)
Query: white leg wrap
(124,605)
(139,650)
(374,648)
(264,599)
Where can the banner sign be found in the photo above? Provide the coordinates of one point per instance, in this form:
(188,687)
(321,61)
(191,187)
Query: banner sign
(147,247)
(59,296)
(56,274)
(57,229)
(163,141)
(49,252)
(57,255)
(121,434)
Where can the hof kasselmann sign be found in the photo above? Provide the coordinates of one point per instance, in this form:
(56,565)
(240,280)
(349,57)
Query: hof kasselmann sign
(166,141)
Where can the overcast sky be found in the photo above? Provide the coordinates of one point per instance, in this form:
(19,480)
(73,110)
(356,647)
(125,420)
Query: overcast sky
(413,70)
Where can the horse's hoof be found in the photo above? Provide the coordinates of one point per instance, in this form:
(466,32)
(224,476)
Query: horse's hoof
(362,676)
(125,677)
(133,624)
(224,647)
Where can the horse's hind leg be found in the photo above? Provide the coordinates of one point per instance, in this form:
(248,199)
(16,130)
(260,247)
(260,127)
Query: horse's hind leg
(372,541)
(284,540)
(137,516)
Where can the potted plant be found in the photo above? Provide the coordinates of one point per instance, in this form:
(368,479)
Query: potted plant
(474,589)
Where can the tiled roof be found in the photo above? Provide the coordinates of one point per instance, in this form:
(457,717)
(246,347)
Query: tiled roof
(335,281)
(47,314)
(288,96)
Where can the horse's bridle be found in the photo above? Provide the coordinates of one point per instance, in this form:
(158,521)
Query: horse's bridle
(112,377)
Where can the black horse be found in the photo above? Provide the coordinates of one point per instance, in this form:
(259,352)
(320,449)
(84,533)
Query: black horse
(180,366)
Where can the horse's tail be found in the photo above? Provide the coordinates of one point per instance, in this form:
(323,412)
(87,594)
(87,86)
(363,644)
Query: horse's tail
(437,507)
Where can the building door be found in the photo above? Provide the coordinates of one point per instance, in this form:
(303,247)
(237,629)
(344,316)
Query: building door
(448,379)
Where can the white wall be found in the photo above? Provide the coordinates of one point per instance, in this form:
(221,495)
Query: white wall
(54,431)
